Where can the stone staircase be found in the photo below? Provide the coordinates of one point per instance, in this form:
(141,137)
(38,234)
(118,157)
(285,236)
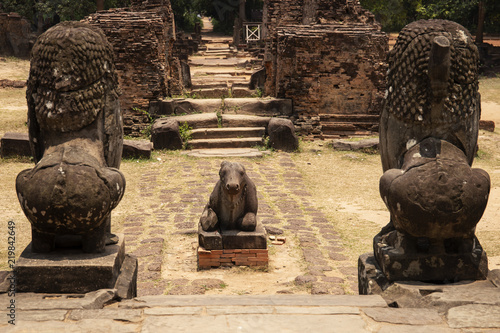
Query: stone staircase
(224,123)
(220,70)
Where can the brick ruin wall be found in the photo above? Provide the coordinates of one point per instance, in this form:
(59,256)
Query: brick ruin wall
(16,37)
(329,70)
(328,56)
(143,37)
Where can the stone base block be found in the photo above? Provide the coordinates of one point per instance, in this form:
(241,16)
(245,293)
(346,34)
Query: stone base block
(233,239)
(404,258)
(371,279)
(73,271)
(15,144)
(232,257)
(418,294)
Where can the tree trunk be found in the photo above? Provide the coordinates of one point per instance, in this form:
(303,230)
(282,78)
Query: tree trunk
(480,22)
(100,5)
(242,11)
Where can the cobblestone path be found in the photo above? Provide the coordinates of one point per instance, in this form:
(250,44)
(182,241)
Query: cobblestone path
(162,233)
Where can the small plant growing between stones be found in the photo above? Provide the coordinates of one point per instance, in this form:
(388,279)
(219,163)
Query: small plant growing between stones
(258,93)
(185,133)
(187,94)
(146,132)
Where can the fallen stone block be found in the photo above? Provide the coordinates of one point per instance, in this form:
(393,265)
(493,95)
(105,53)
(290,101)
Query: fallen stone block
(136,149)
(345,145)
(282,135)
(15,144)
(487,125)
(165,134)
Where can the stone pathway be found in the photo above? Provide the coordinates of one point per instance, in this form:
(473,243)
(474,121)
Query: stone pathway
(285,207)
(277,313)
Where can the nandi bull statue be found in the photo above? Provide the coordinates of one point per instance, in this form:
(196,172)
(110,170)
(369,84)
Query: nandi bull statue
(233,203)
(229,219)
(428,139)
(76,135)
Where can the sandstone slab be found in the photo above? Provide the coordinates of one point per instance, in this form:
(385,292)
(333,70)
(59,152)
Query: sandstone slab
(15,144)
(136,149)
(474,315)
(69,271)
(405,316)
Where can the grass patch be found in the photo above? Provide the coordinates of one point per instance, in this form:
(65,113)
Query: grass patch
(12,68)
(13,110)
(489,88)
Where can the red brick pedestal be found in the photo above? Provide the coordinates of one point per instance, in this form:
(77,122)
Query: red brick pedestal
(232,257)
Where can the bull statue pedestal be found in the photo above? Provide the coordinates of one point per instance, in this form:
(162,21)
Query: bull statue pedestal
(229,232)
(76,135)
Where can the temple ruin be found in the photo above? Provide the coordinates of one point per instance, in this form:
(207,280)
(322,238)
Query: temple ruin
(329,58)
(143,38)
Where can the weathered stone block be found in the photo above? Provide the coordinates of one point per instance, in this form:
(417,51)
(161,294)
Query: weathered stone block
(404,258)
(344,145)
(165,134)
(70,270)
(282,135)
(136,149)
(126,283)
(237,239)
(265,107)
(15,144)
(210,240)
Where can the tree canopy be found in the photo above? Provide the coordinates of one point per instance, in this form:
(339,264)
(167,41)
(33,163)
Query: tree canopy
(392,14)
(53,11)
(395,14)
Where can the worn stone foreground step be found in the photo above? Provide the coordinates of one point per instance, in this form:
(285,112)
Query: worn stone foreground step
(93,312)
(262,300)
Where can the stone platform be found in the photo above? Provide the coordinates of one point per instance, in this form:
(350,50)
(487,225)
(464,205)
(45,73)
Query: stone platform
(73,271)
(415,294)
(400,259)
(263,313)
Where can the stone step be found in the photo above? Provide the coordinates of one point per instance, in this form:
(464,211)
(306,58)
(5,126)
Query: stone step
(214,85)
(235,120)
(219,48)
(217,70)
(219,78)
(219,55)
(226,152)
(344,133)
(206,93)
(327,127)
(231,62)
(349,118)
(268,107)
(227,132)
(226,143)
